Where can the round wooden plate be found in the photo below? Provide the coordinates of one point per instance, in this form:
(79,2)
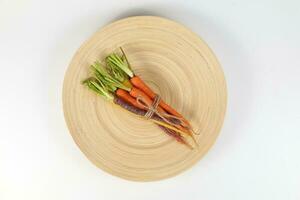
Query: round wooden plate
(179,66)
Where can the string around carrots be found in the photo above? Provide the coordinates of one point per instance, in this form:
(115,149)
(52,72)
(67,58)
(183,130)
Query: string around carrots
(116,82)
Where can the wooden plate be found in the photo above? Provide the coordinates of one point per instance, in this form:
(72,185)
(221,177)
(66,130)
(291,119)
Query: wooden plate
(179,66)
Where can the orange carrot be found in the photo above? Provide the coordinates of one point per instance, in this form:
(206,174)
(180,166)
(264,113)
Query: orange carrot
(123,94)
(139,83)
(135,92)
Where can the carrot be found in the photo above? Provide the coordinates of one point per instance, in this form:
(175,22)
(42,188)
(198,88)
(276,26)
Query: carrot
(123,94)
(140,84)
(135,92)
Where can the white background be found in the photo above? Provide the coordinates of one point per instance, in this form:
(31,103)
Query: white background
(257,155)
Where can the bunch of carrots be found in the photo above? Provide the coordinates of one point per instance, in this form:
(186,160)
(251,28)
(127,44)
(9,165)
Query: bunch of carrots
(116,81)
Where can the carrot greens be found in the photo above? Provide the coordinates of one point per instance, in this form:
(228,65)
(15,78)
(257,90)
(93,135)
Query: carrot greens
(120,64)
(107,79)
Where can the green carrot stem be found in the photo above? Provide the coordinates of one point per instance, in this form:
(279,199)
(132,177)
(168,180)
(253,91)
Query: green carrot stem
(117,63)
